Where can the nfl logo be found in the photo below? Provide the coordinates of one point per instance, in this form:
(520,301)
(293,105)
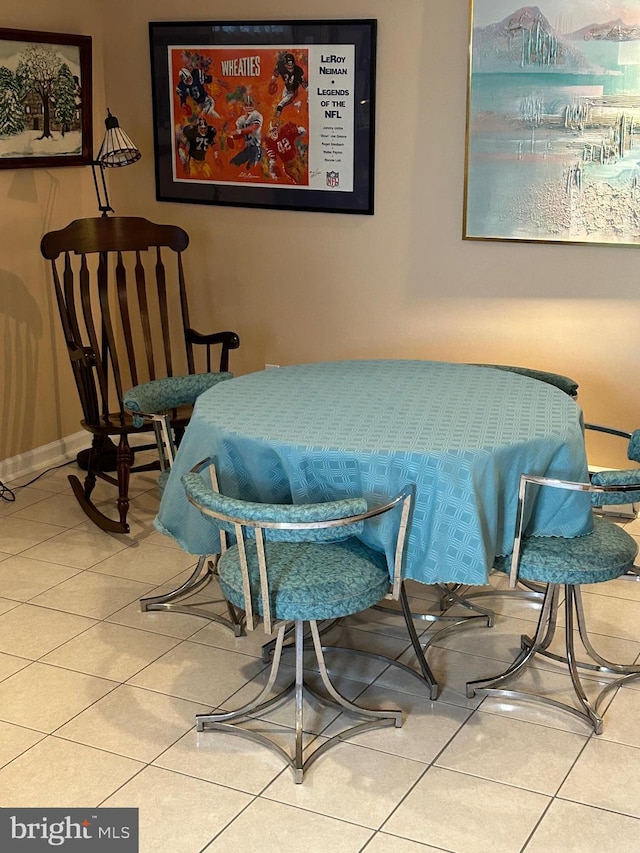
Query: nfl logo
(333,179)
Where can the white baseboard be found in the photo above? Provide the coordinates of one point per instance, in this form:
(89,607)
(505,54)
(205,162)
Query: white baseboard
(57,453)
(47,456)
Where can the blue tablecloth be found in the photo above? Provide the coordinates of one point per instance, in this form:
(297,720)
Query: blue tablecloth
(462,434)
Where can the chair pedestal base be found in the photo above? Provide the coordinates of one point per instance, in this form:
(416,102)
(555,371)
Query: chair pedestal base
(231,721)
(526,591)
(425,674)
(449,598)
(175,602)
(587,710)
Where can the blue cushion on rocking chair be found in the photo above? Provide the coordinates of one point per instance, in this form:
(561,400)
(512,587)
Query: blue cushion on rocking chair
(158,395)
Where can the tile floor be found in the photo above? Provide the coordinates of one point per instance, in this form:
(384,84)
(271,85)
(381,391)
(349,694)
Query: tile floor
(97,705)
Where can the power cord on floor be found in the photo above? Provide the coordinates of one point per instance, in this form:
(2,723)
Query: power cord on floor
(7,494)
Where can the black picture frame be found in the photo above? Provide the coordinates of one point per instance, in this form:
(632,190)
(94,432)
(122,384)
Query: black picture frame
(316,109)
(39,96)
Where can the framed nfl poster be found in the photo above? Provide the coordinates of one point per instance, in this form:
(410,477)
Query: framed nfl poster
(273,114)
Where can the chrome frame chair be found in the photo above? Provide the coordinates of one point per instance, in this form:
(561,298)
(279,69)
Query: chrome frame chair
(535,592)
(258,528)
(560,563)
(458,595)
(206,567)
(603,477)
(526,591)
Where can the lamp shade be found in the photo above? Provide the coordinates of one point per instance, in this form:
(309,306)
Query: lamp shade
(116,149)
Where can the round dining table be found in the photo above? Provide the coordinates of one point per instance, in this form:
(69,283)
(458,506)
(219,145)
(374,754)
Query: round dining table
(461,435)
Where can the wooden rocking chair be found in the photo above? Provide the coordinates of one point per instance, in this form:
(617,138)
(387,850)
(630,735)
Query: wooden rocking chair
(122,298)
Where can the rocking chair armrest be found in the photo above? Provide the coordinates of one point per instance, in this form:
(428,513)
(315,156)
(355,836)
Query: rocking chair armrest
(229,340)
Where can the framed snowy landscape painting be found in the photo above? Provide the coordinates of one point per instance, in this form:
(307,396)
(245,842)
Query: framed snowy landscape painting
(553,122)
(45,99)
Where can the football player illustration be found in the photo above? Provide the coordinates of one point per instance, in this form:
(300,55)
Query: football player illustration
(196,140)
(249,129)
(192,86)
(283,151)
(292,77)
(223,133)
(235,100)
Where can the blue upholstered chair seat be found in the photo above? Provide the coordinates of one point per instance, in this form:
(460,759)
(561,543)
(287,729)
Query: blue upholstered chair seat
(606,553)
(310,580)
(170,392)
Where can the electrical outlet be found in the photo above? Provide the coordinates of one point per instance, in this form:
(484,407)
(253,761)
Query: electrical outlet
(271,366)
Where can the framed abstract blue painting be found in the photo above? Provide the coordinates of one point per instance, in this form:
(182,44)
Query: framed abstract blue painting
(553,122)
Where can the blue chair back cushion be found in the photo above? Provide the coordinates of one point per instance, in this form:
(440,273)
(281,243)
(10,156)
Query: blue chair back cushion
(616,478)
(564,383)
(606,553)
(248,511)
(633,450)
(309,580)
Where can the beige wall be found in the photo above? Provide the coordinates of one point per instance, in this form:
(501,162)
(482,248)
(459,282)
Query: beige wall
(38,401)
(400,283)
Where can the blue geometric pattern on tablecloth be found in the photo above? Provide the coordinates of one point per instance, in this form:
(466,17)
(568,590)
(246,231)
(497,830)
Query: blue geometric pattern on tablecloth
(462,434)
